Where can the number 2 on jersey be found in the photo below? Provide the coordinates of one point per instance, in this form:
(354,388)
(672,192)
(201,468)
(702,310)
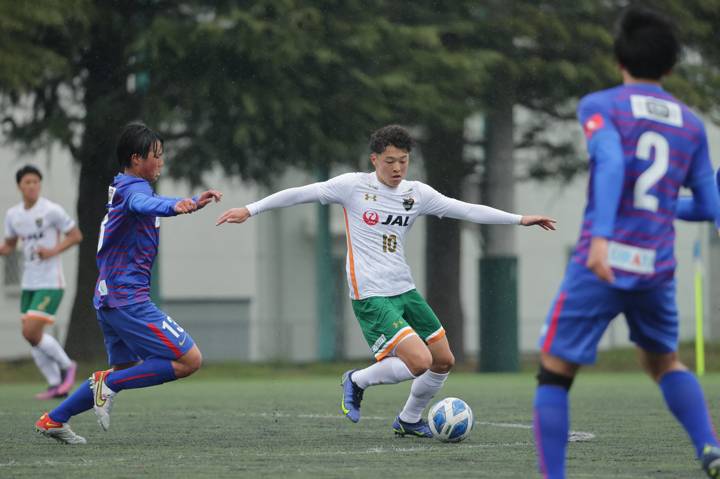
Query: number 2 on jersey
(648,142)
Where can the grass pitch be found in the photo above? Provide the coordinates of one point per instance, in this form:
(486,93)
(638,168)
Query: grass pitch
(288,425)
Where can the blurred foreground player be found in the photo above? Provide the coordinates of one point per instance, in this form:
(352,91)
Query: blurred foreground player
(145,346)
(643,146)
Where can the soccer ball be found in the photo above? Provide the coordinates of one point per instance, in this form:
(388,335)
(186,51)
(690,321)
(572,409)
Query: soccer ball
(451,420)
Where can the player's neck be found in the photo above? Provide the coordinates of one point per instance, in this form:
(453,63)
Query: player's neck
(29,203)
(628,79)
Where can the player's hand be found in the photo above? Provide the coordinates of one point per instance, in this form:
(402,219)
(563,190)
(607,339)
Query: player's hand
(234,215)
(598,259)
(45,253)
(208,196)
(543,222)
(185,206)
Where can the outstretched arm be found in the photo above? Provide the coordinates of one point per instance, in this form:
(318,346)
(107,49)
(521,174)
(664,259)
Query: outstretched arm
(486,215)
(281,199)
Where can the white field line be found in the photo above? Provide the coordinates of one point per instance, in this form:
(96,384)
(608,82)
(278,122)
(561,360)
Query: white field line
(575,436)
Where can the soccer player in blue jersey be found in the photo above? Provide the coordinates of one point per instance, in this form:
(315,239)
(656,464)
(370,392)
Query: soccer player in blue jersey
(643,146)
(145,346)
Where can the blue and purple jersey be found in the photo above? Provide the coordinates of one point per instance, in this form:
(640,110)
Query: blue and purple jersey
(644,145)
(128,244)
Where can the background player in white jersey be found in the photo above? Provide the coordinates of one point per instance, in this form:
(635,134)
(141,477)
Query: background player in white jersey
(401,329)
(41,224)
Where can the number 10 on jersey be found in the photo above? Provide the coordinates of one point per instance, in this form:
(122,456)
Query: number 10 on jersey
(389,243)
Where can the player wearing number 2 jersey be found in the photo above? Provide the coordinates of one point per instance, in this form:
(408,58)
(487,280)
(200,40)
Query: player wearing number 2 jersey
(644,145)
(401,329)
(145,346)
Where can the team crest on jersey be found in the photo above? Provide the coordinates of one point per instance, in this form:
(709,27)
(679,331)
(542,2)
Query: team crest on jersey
(408,203)
(371,218)
(593,124)
(39,222)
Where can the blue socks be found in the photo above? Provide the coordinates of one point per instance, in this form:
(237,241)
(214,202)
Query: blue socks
(81,400)
(551,425)
(685,399)
(150,372)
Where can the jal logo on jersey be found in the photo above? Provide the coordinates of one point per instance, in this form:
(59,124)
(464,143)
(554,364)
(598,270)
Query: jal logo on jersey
(371,218)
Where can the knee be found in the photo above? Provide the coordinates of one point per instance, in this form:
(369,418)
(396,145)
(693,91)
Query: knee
(188,364)
(419,363)
(444,363)
(31,336)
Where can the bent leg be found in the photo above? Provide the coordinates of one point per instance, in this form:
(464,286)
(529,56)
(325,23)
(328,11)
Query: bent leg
(426,386)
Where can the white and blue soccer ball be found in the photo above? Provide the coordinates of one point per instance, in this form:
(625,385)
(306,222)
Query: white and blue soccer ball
(451,420)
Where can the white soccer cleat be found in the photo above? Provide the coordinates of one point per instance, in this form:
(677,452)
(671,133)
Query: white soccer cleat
(102,398)
(61,432)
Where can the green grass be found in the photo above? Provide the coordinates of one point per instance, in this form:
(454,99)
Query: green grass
(286,424)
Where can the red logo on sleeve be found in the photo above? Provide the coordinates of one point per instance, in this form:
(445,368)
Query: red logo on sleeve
(593,124)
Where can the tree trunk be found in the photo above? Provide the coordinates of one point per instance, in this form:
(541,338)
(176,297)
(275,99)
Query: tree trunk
(498,189)
(108,107)
(445,169)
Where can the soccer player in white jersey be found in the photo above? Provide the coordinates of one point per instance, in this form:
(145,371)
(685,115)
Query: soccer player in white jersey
(401,329)
(41,225)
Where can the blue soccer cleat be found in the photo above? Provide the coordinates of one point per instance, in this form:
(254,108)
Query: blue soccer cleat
(711,461)
(352,397)
(419,429)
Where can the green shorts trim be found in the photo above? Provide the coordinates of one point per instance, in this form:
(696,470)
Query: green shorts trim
(385,321)
(41,303)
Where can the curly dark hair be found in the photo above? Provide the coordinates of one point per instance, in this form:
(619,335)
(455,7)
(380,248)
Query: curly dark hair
(394,135)
(646,44)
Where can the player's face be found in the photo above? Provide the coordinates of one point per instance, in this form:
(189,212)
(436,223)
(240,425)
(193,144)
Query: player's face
(150,167)
(30,187)
(391,165)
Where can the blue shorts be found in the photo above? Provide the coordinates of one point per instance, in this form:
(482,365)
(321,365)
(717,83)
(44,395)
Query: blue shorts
(141,331)
(585,305)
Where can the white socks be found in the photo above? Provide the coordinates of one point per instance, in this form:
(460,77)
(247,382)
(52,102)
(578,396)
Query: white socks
(47,366)
(424,387)
(390,370)
(52,349)
(50,358)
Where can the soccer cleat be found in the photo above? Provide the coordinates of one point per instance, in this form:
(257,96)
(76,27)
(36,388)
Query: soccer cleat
(711,461)
(61,432)
(102,398)
(68,376)
(352,397)
(52,392)
(419,429)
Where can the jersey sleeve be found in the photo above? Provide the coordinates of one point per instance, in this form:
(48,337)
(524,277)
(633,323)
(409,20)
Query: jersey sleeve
(337,189)
(9,230)
(700,167)
(436,204)
(285,198)
(61,220)
(606,156)
(144,204)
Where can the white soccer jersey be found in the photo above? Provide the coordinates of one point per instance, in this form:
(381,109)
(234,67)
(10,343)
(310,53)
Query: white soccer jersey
(377,218)
(39,227)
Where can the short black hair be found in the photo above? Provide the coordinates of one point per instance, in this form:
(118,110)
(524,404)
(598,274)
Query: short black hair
(394,135)
(646,43)
(136,139)
(27,170)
